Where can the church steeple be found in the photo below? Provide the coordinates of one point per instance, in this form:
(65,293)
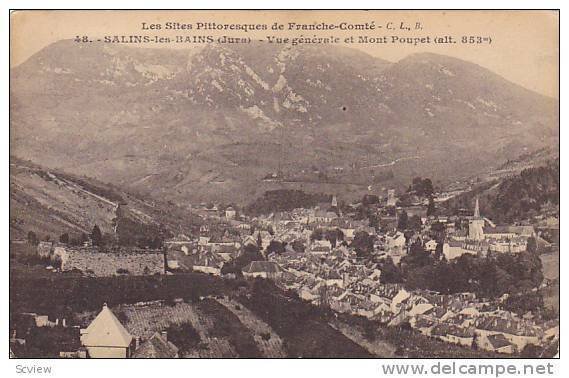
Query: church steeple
(477,209)
(476,224)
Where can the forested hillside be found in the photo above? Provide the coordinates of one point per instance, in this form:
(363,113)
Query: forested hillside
(516,198)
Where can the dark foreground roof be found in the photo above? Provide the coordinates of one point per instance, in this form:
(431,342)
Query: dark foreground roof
(156,347)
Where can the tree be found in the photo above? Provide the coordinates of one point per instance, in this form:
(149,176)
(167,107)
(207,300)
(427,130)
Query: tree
(427,187)
(369,199)
(362,243)
(333,236)
(414,223)
(532,245)
(431,208)
(402,221)
(259,240)
(439,250)
(531,351)
(389,272)
(156,243)
(33,238)
(438,230)
(64,238)
(417,257)
(317,234)
(276,247)
(373,220)
(96,236)
(298,246)
(79,240)
(421,187)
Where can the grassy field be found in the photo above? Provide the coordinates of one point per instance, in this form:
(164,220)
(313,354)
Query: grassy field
(550,262)
(226,325)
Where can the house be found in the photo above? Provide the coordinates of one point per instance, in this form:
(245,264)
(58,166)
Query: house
(500,232)
(157,346)
(496,343)
(332,278)
(207,263)
(45,249)
(262,269)
(106,337)
(223,240)
(226,252)
(395,240)
(453,249)
(420,309)
(391,198)
(323,216)
(423,325)
(416,210)
(431,246)
(310,293)
(230,213)
(321,247)
(38,320)
(249,240)
(173,264)
(453,334)
(398,300)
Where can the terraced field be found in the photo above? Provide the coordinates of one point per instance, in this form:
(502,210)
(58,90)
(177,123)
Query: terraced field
(143,321)
(270,344)
(377,347)
(222,324)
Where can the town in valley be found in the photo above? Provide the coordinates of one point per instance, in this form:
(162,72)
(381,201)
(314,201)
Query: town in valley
(391,273)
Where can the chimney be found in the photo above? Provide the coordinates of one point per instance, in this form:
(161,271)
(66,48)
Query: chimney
(136,342)
(63,322)
(164,335)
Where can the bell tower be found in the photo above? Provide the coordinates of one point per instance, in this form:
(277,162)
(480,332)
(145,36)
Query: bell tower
(476,224)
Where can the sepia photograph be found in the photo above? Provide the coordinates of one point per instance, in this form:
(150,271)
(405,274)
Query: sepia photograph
(279,184)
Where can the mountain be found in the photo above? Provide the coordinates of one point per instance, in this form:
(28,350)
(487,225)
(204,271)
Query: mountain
(52,202)
(215,122)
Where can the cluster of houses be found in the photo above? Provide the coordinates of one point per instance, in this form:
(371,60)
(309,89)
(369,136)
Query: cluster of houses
(329,272)
(343,284)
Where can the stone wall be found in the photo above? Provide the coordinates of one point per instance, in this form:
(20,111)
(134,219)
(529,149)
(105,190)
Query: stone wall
(113,263)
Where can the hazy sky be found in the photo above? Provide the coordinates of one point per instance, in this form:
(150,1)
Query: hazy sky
(524,46)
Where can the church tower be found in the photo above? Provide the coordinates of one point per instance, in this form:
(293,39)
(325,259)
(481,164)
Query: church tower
(476,224)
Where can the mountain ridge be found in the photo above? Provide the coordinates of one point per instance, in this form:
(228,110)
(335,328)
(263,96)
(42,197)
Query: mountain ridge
(212,123)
